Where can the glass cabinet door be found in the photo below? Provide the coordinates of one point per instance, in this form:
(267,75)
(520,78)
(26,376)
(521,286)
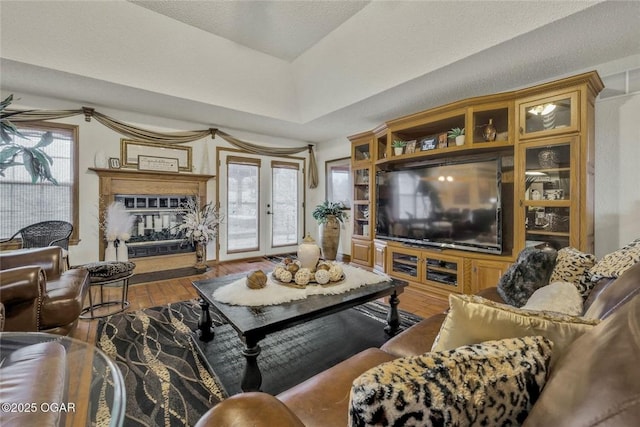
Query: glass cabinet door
(549,116)
(404,263)
(548,191)
(361,152)
(361,202)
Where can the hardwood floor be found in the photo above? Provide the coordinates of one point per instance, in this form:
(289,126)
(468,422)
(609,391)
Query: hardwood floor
(144,295)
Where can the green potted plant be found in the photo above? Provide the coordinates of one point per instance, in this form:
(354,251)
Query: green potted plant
(329,215)
(457,134)
(398,146)
(34,159)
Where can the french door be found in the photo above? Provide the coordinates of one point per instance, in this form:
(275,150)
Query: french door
(262,199)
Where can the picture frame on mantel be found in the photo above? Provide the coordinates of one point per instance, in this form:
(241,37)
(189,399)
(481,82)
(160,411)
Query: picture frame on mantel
(130,150)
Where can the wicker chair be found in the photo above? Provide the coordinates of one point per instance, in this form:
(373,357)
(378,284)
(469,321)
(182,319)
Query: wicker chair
(45,233)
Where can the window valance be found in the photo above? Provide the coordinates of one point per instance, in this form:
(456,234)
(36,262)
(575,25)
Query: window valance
(134,132)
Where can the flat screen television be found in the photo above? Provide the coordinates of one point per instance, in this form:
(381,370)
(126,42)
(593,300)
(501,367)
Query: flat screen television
(450,205)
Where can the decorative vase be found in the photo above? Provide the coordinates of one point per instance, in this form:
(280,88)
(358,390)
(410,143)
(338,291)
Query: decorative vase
(122,251)
(100,160)
(110,252)
(460,140)
(330,237)
(308,253)
(489,131)
(548,158)
(201,257)
(397,151)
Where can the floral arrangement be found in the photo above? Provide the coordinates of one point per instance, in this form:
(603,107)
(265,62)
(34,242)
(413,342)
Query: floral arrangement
(117,222)
(200,223)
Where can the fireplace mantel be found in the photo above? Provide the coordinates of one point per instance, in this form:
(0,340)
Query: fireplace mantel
(127,181)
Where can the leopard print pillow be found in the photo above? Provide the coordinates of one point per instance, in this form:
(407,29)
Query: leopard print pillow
(573,266)
(492,383)
(614,264)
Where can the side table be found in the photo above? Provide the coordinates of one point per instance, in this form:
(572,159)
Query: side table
(88,312)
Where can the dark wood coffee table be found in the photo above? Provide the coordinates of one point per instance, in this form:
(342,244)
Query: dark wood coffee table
(254,323)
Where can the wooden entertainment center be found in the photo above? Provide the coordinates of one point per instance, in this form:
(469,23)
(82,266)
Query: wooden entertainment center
(544,136)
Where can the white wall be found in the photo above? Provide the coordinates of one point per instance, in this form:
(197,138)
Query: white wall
(331,150)
(94,136)
(617,199)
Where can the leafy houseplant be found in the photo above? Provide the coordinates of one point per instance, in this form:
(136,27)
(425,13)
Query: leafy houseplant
(34,159)
(322,212)
(457,134)
(398,146)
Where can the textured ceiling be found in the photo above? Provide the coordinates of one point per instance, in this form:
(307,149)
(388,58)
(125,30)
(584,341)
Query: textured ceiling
(283,29)
(371,62)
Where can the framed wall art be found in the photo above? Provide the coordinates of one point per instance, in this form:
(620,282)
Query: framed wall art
(428,143)
(411,146)
(130,150)
(159,164)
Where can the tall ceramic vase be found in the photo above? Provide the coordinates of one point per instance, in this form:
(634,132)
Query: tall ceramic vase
(122,251)
(201,257)
(308,253)
(330,237)
(110,252)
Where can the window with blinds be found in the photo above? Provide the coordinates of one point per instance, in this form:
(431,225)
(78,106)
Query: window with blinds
(24,202)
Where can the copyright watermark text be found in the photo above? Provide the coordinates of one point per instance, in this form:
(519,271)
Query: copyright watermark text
(37,407)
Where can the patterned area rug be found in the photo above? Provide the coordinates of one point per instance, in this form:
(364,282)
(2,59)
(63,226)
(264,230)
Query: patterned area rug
(167,383)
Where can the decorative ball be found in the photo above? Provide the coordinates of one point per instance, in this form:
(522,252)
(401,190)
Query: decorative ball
(277,272)
(303,276)
(293,268)
(335,273)
(256,279)
(323,276)
(287,261)
(323,266)
(286,276)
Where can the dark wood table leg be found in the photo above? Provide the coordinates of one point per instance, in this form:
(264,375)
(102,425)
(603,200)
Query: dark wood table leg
(393,319)
(251,377)
(205,324)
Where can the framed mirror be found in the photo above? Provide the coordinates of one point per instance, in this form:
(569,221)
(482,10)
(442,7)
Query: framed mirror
(130,150)
(338,181)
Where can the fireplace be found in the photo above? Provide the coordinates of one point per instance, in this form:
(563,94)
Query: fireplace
(155,199)
(155,230)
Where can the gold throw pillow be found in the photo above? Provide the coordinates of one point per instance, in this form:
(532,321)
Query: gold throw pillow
(473,319)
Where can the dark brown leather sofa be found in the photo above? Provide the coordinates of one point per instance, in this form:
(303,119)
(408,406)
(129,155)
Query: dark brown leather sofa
(38,293)
(595,383)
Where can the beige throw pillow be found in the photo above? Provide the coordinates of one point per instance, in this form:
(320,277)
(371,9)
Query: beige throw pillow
(473,319)
(559,297)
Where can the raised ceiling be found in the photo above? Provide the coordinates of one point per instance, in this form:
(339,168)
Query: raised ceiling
(312,71)
(283,29)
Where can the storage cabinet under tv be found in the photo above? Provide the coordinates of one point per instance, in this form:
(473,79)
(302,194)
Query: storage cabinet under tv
(427,270)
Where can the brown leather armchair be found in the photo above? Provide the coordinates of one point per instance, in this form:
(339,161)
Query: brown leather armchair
(38,294)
